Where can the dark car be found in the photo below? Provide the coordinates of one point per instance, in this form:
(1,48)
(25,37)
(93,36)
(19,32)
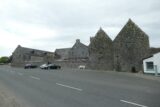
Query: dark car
(28,66)
(50,66)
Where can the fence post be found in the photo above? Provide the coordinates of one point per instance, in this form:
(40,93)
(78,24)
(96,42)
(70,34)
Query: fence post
(156,72)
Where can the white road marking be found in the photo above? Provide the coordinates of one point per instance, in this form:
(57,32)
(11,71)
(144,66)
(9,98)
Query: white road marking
(133,103)
(20,73)
(78,89)
(35,77)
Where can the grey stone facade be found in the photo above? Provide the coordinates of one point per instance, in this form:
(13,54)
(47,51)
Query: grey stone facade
(101,51)
(154,50)
(72,57)
(130,46)
(62,54)
(79,51)
(23,55)
(124,53)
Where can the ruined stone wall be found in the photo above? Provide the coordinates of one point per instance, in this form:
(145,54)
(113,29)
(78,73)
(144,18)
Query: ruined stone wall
(154,50)
(130,47)
(18,56)
(101,52)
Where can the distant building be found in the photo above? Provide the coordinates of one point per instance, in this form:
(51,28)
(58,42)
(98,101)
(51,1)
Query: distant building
(23,55)
(79,51)
(72,57)
(101,51)
(62,54)
(152,64)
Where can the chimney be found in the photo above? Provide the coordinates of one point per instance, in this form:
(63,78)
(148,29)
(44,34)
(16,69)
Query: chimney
(77,40)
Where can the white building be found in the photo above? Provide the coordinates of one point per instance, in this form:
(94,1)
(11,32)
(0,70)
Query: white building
(152,64)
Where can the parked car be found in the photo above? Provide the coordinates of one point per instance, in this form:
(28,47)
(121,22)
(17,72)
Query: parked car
(28,66)
(50,66)
(44,66)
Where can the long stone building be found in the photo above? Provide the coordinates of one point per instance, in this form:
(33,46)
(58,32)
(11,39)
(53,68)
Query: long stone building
(23,55)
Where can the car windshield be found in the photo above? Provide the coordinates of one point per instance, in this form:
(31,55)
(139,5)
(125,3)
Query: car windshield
(50,64)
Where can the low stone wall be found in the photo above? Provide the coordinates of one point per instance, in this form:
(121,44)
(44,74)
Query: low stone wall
(17,64)
(22,64)
(70,64)
(63,64)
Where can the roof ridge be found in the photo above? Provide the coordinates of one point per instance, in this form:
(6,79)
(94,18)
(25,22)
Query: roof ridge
(100,31)
(33,49)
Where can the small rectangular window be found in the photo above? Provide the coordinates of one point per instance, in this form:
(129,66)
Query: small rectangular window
(150,65)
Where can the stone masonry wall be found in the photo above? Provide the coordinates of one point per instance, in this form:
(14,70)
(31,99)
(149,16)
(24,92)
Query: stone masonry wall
(101,52)
(130,47)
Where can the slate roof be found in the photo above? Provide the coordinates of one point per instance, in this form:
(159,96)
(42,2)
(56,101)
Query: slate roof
(78,43)
(31,51)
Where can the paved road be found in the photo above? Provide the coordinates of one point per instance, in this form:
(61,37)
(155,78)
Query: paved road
(80,88)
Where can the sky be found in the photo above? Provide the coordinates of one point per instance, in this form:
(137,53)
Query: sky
(51,24)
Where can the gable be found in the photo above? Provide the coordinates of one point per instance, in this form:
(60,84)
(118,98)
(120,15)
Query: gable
(130,31)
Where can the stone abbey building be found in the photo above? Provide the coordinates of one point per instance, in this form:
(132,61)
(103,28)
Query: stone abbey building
(101,51)
(124,53)
(130,46)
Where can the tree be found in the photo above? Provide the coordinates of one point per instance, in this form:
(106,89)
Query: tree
(4,59)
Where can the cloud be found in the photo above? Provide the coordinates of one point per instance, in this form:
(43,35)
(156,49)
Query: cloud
(51,24)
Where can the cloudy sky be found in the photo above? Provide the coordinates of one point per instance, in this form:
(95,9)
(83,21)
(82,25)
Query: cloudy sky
(51,24)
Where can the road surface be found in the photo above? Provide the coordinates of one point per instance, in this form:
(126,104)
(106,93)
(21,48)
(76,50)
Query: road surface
(80,88)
